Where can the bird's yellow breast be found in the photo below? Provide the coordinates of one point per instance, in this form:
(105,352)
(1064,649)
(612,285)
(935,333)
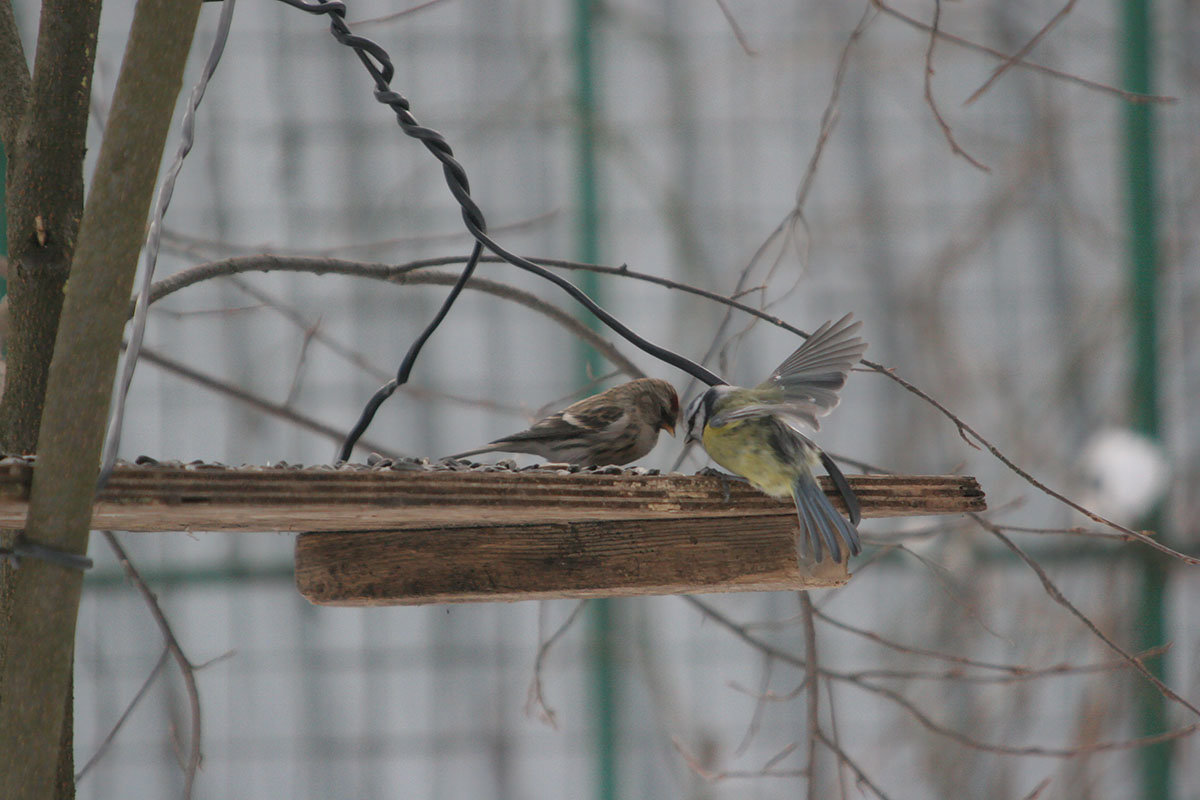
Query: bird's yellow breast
(742,447)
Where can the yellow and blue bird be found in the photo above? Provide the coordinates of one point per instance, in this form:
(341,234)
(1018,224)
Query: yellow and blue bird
(757,434)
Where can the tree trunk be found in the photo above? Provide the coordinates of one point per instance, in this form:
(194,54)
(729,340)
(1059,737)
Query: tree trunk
(45,150)
(43,125)
(42,600)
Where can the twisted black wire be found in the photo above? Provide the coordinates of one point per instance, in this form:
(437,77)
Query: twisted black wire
(377,62)
(410,358)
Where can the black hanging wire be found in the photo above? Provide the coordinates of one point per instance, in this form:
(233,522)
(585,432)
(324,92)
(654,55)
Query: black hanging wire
(410,358)
(377,62)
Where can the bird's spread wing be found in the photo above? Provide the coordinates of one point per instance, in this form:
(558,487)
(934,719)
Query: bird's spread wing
(808,382)
(796,415)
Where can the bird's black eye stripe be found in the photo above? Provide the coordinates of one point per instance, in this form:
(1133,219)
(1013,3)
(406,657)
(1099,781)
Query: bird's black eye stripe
(701,411)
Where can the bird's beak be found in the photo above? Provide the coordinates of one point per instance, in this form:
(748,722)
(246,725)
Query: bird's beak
(669,428)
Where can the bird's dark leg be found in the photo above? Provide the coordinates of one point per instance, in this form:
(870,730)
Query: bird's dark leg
(726,480)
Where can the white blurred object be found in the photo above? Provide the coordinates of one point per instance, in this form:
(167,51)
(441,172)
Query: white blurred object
(1125,473)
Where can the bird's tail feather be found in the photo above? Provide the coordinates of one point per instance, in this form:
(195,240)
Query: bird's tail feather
(475,452)
(821,526)
(843,487)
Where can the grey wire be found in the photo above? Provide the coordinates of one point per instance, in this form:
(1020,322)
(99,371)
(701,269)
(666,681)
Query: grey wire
(153,236)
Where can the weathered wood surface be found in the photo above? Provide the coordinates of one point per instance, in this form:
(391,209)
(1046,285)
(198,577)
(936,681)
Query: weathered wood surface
(262,499)
(402,537)
(549,560)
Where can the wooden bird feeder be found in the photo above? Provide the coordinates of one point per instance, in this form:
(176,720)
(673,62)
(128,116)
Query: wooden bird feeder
(404,537)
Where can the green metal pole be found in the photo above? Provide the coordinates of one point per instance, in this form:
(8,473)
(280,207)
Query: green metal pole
(1137,37)
(601,629)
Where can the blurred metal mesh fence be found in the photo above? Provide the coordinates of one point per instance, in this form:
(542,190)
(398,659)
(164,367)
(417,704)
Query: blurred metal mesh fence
(1001,294)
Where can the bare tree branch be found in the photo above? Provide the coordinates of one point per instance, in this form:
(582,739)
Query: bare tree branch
(971,742)
(187,670)
(937,114)
(767,771)
(762,696)
(1132,97)
(1037,790)
(394,274)
(253,400)
(859,775)
(535,700)
(1019,56)
(1012,669)
(533,302)
(137,698)
(1061,599)
(318,334)
(738,33)
(929,723)
(814,692)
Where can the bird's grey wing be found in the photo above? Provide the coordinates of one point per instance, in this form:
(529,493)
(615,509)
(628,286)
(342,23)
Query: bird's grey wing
(812,376)
(794,414)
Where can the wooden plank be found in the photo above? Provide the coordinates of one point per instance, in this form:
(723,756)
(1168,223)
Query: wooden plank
(202,497)
(540,561)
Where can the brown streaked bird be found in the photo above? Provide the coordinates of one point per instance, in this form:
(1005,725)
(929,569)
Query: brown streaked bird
(616,426)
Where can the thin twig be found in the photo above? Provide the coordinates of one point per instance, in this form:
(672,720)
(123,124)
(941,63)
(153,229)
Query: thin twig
(929,100)
(1019,56)
(945,582)
(193,246)
(301,362)
(137,698)
(780,756)
(1076,530)
(859,775)
(814,691)
(535,700)
(404,12)
(533,302)
(760,706)
(738,33)
(925,720)
(1037,790)
(1132,97)
(151,356)
(297,318)
(834,737)
(971,742)
(1061,599)
(1012,669)
(968,433)
(713,777)
(1030,674)
(741,632)
(767,696)
(186,669)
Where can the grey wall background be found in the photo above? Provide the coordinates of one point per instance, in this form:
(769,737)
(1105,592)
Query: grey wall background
(1003,295)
